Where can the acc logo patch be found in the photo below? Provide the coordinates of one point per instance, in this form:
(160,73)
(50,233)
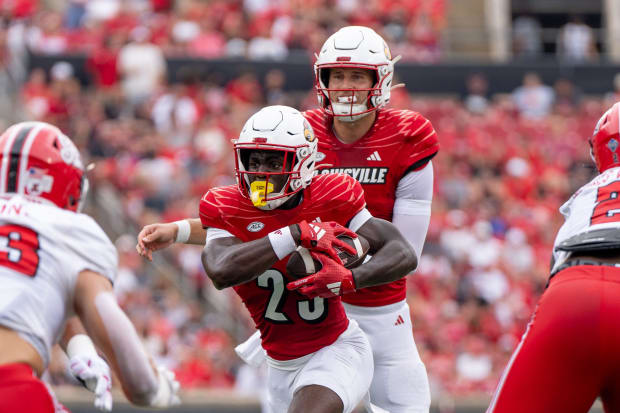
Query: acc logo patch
(308,132)
(320,156)
(255,226)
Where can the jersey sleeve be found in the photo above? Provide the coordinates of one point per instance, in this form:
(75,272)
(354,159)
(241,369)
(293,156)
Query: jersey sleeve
(350,197)
(209,211)
(420,146)
(92,249)
(358,202)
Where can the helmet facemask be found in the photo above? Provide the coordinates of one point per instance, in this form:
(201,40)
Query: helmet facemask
(347,107)
(267,187)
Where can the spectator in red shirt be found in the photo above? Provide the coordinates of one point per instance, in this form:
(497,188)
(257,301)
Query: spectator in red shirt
(210,43)
(102,64)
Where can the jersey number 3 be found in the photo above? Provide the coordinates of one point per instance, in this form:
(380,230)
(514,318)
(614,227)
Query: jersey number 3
(19,249)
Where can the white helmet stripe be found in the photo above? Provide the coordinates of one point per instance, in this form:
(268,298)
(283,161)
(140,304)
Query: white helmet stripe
(6,152)
(23,164)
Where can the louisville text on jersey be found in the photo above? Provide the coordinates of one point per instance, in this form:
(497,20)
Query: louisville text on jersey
(364,175)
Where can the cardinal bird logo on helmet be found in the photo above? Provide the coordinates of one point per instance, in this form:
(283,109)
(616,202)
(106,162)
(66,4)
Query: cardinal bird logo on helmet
(308,133)
(387,52)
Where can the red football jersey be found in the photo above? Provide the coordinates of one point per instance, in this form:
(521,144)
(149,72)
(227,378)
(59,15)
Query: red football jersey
(398,142)
(291,325)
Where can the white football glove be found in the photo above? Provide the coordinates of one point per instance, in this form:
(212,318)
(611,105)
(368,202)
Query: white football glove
(166,395)
(94,373)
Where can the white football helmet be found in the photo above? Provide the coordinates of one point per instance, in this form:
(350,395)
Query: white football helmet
(276,128)
(355,47)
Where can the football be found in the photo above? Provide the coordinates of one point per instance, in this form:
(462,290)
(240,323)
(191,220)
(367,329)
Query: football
(301,264)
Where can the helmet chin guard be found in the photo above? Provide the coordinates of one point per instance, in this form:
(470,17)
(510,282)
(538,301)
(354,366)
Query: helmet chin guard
(275,129)
(361,48)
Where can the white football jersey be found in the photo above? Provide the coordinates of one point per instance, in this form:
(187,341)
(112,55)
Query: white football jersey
(43,248)
(594,206)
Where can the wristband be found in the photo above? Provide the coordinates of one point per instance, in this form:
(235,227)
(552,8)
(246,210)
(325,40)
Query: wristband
(80,344)
(183,231)
(282,242)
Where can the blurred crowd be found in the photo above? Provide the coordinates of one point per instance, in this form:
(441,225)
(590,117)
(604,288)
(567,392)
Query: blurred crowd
(506,164)
(255,29)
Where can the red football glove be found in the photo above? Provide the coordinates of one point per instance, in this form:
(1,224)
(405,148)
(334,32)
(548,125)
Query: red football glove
(321,236)
(333,280)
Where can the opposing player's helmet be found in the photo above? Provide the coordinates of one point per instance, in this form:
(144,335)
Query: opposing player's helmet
(37,159)
(276,128)
(605,141)
(355,47)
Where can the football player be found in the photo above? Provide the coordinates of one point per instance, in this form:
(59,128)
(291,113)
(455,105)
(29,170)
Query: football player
(568,355)
(389,152)
(56,262)
(318,360)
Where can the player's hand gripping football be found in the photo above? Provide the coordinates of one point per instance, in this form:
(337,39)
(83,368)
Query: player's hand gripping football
(94,373)
(155,237)
(322,237)
(332,280)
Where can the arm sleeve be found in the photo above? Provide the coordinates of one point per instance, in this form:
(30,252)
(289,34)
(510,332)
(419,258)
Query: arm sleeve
(412,209)
(359,219)
(215,233)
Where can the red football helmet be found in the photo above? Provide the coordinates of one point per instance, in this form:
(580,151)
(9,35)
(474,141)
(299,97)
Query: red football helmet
(37,159)
(605,141)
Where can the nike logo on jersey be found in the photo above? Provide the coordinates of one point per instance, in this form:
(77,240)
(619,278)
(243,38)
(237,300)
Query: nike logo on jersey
(374,156)
(400,320)
(368,175)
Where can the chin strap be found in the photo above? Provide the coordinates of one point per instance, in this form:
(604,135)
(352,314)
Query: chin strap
(342,111)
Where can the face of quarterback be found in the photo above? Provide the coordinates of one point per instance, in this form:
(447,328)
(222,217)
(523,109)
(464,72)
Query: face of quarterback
(269,161)
(350,78)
